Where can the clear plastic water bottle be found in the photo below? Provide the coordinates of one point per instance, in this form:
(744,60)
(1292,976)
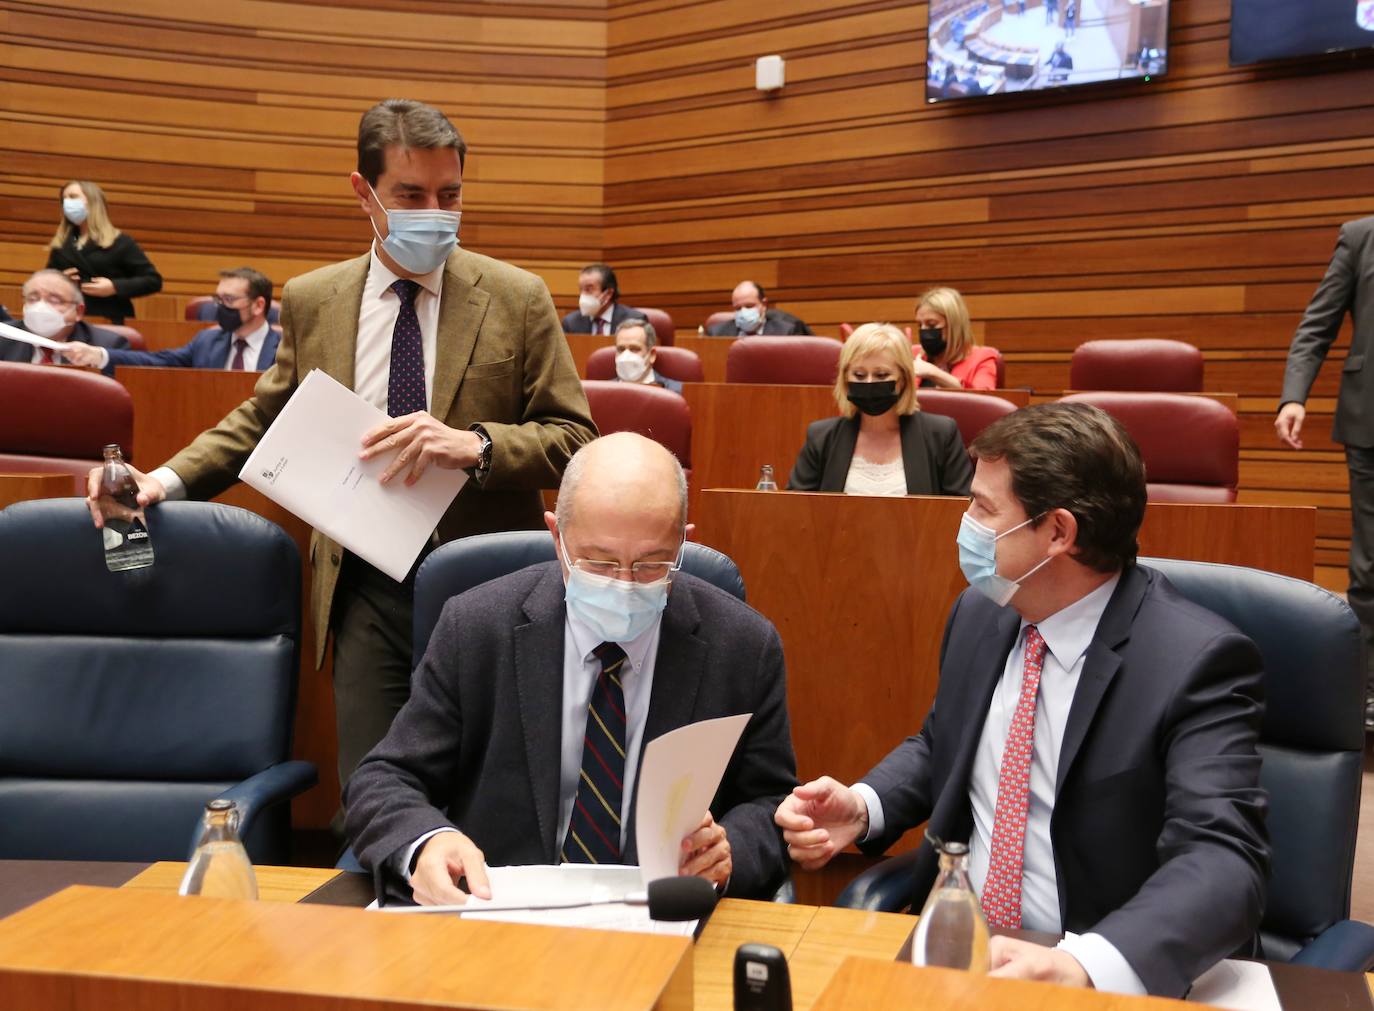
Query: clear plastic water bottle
(220,866)
(952,931)
(125,530)
(766,482)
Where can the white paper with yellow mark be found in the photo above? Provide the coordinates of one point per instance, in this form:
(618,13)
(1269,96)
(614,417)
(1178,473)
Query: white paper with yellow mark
(678,775)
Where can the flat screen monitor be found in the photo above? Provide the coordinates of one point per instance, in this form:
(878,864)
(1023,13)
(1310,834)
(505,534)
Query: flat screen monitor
(1275,29)
(988,47)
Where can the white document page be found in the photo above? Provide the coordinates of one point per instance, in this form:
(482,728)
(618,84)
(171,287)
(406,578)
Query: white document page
(678,775)
(1238,985)
(307,462)
(15,334)
(562,883)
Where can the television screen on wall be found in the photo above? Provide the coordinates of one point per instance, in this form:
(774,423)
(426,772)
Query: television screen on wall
(1275,29)
(987,47)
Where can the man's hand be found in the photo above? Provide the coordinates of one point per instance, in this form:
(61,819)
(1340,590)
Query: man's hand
(1013,959)
(706,853)
(820,818)
(101,287)
(150,491)
(444,858)
(1288,424)
(81,354)
(421,439)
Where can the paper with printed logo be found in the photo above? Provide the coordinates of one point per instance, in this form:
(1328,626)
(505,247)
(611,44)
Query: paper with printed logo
(307,462)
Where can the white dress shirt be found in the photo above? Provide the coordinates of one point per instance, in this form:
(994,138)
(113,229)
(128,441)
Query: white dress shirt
(372,358)
(1067,634)
(250,353)
(580,670)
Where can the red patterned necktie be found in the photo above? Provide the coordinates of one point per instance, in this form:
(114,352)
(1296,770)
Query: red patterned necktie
(1001,898)
(405,387)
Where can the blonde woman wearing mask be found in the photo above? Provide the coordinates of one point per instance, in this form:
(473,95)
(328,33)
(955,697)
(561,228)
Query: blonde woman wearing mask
(107,263)
(948,359)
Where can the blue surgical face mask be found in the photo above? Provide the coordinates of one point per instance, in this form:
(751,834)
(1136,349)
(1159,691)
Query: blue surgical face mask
(74,210)
(616,610)
(978,560)
(418,240)
(746,318)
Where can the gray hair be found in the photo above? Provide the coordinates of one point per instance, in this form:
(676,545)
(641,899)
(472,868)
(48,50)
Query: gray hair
(572,477)
(650,334)
(77,296)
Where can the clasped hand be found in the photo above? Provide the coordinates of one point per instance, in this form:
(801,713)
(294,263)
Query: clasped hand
(420,439)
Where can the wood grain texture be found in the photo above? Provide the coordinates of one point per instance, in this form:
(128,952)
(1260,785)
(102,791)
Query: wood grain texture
(275,884)
(16,487)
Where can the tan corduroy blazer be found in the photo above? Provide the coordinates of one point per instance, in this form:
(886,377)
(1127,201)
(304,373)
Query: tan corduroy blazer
(501,360)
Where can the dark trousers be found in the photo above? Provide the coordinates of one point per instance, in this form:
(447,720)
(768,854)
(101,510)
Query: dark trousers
(1359,461)
(372,631)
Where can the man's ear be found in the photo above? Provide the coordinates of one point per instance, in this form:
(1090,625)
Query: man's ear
(653,355)
(361,191)
(1065,535)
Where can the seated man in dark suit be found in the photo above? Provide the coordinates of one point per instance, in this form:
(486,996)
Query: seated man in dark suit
(599,310)
(753,317)
(636,348)
(241,340)
(53,308)
(1093,735)
(540,689)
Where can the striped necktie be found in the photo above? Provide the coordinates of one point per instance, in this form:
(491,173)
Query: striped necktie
(594,831)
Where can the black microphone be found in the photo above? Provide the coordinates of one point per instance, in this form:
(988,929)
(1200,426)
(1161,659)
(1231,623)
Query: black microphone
(667,898)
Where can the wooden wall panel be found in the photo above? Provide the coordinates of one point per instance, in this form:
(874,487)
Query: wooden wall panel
(1202,206)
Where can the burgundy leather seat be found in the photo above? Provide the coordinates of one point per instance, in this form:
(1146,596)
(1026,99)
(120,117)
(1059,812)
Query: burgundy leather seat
(1148,365)
(662,323)
(57,420)
(675,363)
(1191,445)
(972,412)
(135,339)
(783,360)
(202,308)
(718,317)
(651,411)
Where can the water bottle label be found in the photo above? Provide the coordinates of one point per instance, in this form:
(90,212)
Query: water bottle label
(127,545)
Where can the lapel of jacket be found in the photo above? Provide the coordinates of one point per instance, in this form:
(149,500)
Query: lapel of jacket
(1100,666)
(267,354)
(915,459)
(678,670)
(843,444)
(335,348)
(217,348)
(462,305)
(539,686)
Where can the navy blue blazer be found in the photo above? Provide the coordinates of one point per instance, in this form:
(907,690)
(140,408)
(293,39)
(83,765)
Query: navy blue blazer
(208,349)
(1158,823)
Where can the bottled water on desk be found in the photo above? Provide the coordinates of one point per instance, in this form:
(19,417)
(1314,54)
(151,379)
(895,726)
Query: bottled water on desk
(952,931)
(125,531)
(766,482)
(220,867)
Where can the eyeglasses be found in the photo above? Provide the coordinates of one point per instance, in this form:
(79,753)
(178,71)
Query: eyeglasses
(56,301)
(232,302)
(640,572)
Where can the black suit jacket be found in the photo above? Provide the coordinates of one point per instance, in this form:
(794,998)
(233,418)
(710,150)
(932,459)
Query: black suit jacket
(478,744)
(575,322)
(123,262)
(1347,287)
(933,455)
(18,351)
(776,323)
(1158,823)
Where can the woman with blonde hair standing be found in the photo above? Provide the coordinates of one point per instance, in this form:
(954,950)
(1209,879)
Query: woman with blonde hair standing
(108,264)
(948,358)
(881,444)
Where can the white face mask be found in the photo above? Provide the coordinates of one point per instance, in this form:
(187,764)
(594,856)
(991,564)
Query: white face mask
(43,319)
(589,305)
(632,368)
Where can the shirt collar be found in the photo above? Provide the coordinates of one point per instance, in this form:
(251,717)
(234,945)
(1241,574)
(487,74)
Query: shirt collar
(607,313)
(255,338)
(1070,630)
(380,277)
(585,641)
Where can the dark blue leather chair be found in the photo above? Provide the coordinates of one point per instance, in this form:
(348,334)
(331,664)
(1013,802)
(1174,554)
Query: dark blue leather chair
(1312,743)
(130,699)
(470,561)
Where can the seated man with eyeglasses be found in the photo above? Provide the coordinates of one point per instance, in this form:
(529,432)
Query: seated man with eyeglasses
(53,308)
(241,339)
(529,713)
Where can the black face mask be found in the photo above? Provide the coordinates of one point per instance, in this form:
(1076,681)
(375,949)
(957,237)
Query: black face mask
(228,319)
(933,342)
(874,398)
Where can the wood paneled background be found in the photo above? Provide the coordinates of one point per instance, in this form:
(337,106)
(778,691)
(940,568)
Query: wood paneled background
(1201,206)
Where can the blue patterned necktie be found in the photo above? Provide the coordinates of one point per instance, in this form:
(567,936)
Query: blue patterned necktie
(594,831)
(405,388)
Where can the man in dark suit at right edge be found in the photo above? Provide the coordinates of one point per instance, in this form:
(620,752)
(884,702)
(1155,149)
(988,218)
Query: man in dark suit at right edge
(1094,741)
(1347,287)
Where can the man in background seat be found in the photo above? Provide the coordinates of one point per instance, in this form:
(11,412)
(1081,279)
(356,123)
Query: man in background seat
(754,317)
(636,348)
(54,308)
(599,309)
